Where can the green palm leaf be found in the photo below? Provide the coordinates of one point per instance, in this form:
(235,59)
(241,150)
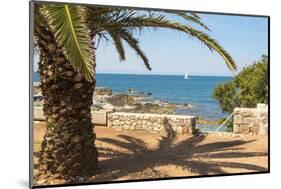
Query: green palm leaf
(133,43)
(160,22)
(191,18)
(118,21)
(118,44)
(70,32)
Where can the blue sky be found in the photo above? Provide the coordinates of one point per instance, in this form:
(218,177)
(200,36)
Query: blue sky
(170,52)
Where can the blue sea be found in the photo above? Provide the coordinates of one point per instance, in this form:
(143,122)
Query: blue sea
(197,90)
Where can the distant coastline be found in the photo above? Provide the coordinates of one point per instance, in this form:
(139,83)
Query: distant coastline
(196,91)
(143,74)
(166,74)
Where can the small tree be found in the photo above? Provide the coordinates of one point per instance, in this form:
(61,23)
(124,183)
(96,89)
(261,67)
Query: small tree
(247,89)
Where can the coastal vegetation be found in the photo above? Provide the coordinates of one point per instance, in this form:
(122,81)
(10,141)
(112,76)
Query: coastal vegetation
(246,89)
(67,37)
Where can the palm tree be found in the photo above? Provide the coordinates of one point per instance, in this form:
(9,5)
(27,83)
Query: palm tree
(67,36)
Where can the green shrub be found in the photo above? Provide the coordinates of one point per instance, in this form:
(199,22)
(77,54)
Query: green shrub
(247,88)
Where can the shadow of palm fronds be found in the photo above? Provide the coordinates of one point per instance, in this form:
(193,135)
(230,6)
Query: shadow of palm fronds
(136,157)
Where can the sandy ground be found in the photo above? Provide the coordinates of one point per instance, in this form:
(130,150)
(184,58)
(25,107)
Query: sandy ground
(135,154)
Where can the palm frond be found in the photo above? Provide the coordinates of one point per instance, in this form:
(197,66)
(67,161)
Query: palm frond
(194,15)
(133,43)
(118,44)
(117,21)
(70,32)
(201,36)
(192,19)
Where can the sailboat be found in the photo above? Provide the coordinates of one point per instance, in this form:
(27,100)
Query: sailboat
(186,75)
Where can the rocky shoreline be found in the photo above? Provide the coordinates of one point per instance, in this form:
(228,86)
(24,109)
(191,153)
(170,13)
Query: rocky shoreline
(131,101)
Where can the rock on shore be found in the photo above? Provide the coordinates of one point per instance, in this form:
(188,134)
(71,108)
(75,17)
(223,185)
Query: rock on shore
(105,99)
(103,91)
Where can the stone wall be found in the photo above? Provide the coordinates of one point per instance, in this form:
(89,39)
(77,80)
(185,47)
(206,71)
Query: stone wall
(38,114)
(251,120)
(157,123)
(99,118)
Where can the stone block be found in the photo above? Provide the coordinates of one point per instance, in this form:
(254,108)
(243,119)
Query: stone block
(139,127)
(263,129)
(38,114)
(236,128)
(262,106)
(155,129)
(181,122)
(132,127)
(184,129)
(249,121)
(179,130)
(255,129)
(109,123)
(245,129)
(116,122)
(153,119)
(155,124)
(238,119)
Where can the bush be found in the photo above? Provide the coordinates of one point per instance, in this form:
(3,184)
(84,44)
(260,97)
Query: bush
(247,88)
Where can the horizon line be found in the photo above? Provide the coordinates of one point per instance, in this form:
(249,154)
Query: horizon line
(163,74)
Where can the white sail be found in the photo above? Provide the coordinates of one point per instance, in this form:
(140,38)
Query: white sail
(186,75)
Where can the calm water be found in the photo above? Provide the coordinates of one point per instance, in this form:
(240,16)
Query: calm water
(196,90)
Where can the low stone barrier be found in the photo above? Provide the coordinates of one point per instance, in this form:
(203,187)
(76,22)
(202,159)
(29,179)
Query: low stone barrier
(157,123)
(38,114)
(251,120)
(98,117)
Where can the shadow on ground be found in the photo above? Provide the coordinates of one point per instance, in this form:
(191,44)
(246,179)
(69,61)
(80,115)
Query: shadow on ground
(187,155)
(127,157)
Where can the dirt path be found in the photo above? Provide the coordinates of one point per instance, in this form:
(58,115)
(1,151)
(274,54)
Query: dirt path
(135,154)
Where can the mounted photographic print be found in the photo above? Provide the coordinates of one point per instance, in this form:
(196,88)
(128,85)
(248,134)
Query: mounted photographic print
(121,94)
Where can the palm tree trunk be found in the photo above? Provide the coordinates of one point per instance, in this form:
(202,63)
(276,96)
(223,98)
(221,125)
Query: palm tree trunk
(68,151)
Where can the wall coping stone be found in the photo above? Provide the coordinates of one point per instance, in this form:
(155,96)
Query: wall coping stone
(156,115)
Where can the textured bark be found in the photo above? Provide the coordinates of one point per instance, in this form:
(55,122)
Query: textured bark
(68,150)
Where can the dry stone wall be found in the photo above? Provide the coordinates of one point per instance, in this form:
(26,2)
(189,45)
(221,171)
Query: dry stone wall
(157,123)
(251,120)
